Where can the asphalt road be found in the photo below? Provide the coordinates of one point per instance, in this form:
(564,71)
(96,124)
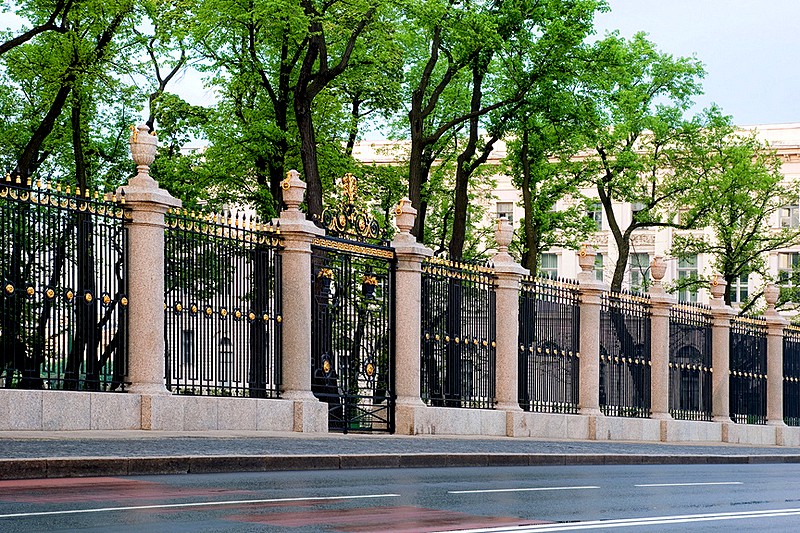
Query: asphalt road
(563,498)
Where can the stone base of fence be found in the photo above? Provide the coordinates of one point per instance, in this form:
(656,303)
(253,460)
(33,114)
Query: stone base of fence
(413,420)
(26,410)
(549,426)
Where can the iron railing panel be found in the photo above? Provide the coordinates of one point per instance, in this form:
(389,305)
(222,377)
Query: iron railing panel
(625,355)
(222,310)
(458,335)
(690,368)
(549,351)
(791,376)
(748,370)
(63,308)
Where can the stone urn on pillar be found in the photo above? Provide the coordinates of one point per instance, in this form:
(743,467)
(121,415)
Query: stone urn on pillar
(718,285)
(404,215)
(658,267)
(771,294)
(294,191)
(503,234)
(143,150)
(586,257)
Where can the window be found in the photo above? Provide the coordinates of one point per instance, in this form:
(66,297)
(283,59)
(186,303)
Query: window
(790,216)
(506,210)
(687,270)
(595,212)
(639,267)
(787,268)
(548,266)
(598,267)
(739,289)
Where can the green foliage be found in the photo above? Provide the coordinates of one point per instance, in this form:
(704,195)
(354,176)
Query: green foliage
(737,189)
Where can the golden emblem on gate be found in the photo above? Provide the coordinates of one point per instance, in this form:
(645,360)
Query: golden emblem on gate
(326,366)
(370,369)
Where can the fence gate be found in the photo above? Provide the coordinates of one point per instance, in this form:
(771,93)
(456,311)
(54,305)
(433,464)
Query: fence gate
(352,323)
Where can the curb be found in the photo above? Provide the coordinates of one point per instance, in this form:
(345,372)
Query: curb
(213,464)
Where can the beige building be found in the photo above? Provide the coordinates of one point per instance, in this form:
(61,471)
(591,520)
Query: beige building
(785,138)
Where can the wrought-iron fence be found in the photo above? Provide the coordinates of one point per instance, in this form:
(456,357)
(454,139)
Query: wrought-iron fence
(458,334)
(791,376)
(625,355)
(63,303)
(549,333)
(748,370)
(690,369)
(222,309)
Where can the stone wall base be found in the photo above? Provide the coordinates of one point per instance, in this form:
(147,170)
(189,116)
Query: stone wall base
(422,420)
(26,410)
(691,431)
(549,425)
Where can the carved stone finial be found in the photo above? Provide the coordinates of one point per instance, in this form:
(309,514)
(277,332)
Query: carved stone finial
(294,189)
(586,257)
(143,150)
(718,285)
(404,215)
(658,267)
(771,293)
(503,234)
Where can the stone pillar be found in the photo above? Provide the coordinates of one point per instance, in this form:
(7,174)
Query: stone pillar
(298,234)
(775,325)
(661,303)
(509,274)
(145,205)
(720,352)
(408,310)
(591,291)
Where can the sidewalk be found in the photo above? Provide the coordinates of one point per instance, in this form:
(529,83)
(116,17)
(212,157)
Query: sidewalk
(116,453)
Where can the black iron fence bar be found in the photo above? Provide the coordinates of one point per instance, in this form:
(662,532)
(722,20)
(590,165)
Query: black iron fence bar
(748,370)
(549,333)
(222,305)
(690,368)
(625,355)
(458,334)
(63,308)
(791,375)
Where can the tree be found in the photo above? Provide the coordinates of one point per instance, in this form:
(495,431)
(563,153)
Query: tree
(740,177)
(641,95)
(543,183)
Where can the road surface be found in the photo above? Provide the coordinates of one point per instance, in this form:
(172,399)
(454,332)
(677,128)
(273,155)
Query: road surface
(519,499)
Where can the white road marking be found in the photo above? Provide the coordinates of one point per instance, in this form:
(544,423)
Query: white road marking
(198,504)
(690,484)
(632,522)
(524,489)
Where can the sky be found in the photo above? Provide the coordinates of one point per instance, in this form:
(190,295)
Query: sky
(748,47)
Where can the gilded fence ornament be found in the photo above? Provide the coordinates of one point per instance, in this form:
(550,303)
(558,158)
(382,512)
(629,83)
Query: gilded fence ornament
(348,219)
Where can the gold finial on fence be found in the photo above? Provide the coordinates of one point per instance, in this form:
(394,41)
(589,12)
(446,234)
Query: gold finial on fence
(350,187)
